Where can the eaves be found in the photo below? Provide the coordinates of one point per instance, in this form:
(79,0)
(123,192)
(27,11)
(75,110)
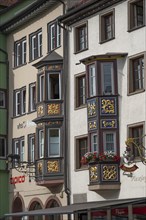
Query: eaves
(26,14)
(86,10)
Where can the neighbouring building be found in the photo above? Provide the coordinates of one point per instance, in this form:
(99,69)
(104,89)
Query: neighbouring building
(34,44)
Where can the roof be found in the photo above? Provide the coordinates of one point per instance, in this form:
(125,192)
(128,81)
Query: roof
(70,209)
(51,58)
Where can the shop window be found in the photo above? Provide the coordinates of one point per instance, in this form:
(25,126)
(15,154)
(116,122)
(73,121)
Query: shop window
(20,52)
(107,26)
(41,143)
(81,147)
(35,42)
(2,99)
(53,142)
(31,146)
(109,141)
(54,36)
(136,14)
(136,132)
(20,101)
(2,147)
(81,38)
(18,148)
(136,74)
(54,86)
(32,97)
(80,90)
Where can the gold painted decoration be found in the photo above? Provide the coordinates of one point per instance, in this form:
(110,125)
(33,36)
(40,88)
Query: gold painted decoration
(108,123)
(40,167)
(93,173)
(109,172)
(54,109)
(91,108)
(92,125)
(54,67)
(108,106)
(53,166)
(40,110)
(54,123)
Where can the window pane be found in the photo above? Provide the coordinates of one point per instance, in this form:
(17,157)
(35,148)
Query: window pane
(2,99)
(32,97)
(2,147)
(23,52)
(41,143)
(109,142)
(82,149)
(39,44)
(108,26)
(54,142)
(82,90)
(54,86)
(107,78)
(18,102)
(137,132)
(41,88)
(31,148)
(21,150)
(94,142)
(23,101)
(92,81)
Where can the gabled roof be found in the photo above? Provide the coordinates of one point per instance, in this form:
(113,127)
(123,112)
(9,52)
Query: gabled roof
(51,58)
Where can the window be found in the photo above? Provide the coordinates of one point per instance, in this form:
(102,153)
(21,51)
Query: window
(32,97)
(2,99)
(136,132)
(81,38)
(109,141)
(80,82)
(136,78)
(94,146)
(54,86)
(107,78)
(35,40)
(31,144)
(2,147)
(81,149)
(20,102)
(41,85)
(54,36)
(18,147)
(20,52)
(53,142)
(136,14)
(92,81)
(107,30)
(41,143)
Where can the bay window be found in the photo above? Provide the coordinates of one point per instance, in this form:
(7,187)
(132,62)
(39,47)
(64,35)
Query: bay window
(109,141)
(107,78)
(41,143)
(94,144)
(53,142)
(92,81)
(54,86)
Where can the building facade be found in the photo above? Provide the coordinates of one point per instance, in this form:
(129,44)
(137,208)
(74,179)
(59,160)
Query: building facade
(34,44)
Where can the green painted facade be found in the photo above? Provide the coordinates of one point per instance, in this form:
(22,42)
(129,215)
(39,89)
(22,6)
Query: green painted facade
(4,175)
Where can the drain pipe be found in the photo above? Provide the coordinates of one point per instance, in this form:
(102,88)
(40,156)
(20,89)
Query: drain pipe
(66,92)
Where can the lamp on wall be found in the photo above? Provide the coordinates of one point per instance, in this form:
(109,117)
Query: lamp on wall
(25,167)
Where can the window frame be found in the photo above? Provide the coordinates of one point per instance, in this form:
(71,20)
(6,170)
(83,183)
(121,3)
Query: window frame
(49,88)
(35,48)
(32,97)
(3,92)
(5,148)
(131,89)
(31,148)
(78,154)
(19,93)
(93,148)
(131,23)
(102,26)
(114,142)
(54,36)
(130,134)
(78,96)
(92,81)
(41,87)
(19,149)
(49,145)
(41,145)
(84,27)
(20,50)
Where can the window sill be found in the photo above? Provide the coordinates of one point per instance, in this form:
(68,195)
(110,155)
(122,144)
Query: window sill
(30,61)
(136,92)
(81,107)
(80,51)
(105,41)
(18,116)
(135,28)
(30,112)
(16,67)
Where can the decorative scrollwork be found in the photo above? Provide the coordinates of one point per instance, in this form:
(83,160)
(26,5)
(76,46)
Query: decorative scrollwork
(108,106)
(93,173)
(53,166)
(92,108)
(109,172)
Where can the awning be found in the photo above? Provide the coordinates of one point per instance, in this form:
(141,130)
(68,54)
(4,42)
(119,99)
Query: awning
(70,209)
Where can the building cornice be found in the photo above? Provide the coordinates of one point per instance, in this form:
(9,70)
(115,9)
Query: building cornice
(86,10)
